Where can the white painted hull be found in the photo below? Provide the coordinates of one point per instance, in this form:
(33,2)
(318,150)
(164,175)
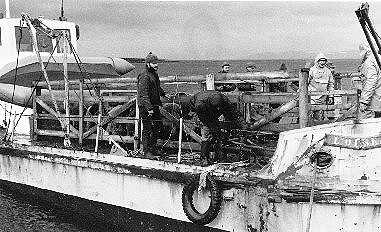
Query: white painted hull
(125,182)
(11,114)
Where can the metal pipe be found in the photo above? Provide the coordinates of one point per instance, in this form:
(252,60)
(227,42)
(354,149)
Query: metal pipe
(360,12)
(365,10)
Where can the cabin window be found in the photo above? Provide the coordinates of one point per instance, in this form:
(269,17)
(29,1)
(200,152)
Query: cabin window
(23,41)
(60,45)
(44,42)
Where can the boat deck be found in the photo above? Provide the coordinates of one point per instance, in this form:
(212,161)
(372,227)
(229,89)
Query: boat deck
(242,168)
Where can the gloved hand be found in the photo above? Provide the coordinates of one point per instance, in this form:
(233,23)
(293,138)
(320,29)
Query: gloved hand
(150,113)
(330,101)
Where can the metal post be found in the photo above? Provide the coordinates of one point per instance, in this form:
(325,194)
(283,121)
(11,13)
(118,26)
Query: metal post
(303,98)
(180,140)
(98,124)
(81,115)
(357,118)
(13,126)
(137,122)
(210,82)
(67,142)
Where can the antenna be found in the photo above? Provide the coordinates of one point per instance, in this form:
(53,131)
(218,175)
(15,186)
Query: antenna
(7,11)
(62,17)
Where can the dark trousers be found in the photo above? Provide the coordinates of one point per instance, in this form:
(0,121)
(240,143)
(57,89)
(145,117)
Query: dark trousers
(152,126)
(211,138)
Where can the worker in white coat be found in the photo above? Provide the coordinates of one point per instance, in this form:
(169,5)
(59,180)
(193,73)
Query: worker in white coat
(320,79)
(370,98)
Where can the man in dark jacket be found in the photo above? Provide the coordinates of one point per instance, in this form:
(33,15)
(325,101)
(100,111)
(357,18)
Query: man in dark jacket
(149,92)
(209,105)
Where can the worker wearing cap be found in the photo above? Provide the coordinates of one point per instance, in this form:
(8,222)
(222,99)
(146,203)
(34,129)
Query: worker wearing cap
(149,92)
(283,67)
(370,99)
(225,68)
(209,105)
(225,87)
(320,79)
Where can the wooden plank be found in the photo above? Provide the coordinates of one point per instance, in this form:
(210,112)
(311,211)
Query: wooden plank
(280,97)
(124,120)
(55,133)
(262,97)
(112,114)
(275,114)
(118,138)
(196,78)
(51,111)
(303,99)
(334,92)
(330,107)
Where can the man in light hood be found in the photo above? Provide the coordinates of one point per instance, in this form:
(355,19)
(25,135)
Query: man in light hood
(320,79)
(370,99)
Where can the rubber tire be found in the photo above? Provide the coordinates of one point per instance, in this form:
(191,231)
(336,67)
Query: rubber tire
(215,203)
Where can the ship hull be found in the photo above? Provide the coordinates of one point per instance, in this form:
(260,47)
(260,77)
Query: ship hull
(95,214)
(155,188)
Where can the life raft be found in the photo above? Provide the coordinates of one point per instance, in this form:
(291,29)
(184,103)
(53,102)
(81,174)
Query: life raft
(215,204)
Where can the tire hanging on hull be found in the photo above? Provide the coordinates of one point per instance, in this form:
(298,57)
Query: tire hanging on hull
(215,204)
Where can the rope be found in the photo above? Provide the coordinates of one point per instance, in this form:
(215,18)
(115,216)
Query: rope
(173,103)
(86,75)
(34,88)
(15,78)
(312,196)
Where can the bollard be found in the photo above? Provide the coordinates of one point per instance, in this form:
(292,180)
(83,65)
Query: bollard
(210,82)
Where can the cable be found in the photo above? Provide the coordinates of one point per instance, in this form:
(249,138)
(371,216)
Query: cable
(35,86)
(86,75)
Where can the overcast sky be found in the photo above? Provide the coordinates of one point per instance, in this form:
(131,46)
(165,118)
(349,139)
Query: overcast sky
(208,30)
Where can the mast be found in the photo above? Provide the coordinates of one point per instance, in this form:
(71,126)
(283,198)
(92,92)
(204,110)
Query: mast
(67,142)
(62,17)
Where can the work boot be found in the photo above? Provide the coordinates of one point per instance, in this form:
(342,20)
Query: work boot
(205,159)
(219,156)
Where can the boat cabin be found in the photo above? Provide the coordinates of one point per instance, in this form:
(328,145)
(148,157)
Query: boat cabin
(15,38)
